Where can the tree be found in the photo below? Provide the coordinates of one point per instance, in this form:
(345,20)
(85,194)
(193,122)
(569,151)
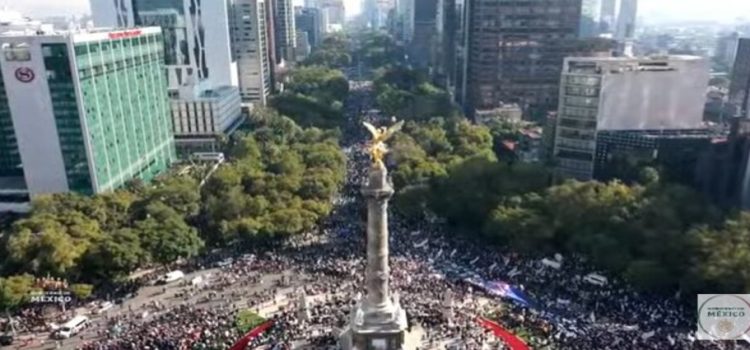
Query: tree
(115,257)
(408,94)
(81,291)
(48,244)
(165,235)
(177,192)
(15,291)
(281,187)
(723,255)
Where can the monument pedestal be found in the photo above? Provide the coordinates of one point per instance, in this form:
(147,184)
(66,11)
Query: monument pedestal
(383,329)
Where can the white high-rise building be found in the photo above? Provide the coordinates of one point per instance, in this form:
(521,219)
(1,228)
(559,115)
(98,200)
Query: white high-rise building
(198,40)
(252,45)
(202,70)
(624,94)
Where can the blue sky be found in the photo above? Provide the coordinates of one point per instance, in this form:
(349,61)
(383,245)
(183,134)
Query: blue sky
(723,10)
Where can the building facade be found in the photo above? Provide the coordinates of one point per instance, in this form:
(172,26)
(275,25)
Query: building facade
(303,46)
(607,94)
(445,55)
(739,88)
(286,30)
(425,40)
(197,37)
(198,49)
(515,52)
(608,16)
(405,14)
(726,48)
(333,15)
(309,20)
(198,125)
(626,18)
(253,50)
(591,13)
(89,110)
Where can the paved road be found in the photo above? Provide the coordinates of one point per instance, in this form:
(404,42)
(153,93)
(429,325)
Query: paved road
(150,294)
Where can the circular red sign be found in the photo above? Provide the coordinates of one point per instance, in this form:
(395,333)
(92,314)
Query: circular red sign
(25,74)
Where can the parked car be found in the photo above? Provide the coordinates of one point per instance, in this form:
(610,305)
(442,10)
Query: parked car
(103,308)
(6,340)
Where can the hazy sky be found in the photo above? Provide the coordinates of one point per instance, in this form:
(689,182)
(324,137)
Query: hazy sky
(722,10)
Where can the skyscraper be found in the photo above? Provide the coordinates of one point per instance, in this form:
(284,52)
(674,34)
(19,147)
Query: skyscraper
(739,89)
(253,50)
(370,13)
(515,52)
(89,110)
(197,37)
(608,15)
(607,94)
(590,18)
(425,40)
(286,31)
(200,62)
(626,18)
(309,20)
(405,13)
(726,48)
(333,14)
(447,31)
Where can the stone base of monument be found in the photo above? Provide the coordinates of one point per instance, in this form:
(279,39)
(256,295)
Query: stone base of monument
(377,330)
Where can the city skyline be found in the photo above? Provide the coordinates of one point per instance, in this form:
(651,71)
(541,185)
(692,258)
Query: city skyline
(651,10)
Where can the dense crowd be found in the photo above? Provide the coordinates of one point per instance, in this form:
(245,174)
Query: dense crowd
(568,313)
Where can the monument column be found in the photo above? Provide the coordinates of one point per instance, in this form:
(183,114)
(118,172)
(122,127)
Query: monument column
(377,191)
(378,322)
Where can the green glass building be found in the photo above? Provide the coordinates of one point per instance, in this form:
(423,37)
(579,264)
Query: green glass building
(85,111)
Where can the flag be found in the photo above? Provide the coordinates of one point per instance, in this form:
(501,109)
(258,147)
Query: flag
(474,261)
(242,343)
(505,290)
(421,244)
(514,272)
(513,341)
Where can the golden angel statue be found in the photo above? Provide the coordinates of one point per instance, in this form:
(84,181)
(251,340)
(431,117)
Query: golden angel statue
(377,147)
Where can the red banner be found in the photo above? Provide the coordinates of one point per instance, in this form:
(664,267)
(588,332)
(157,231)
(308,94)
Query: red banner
(513,342)
(252,334)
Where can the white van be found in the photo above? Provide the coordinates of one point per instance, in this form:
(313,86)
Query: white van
(596,279)
(172,276)
(72,327)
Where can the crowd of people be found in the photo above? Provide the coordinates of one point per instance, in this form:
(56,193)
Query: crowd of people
(320,274)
